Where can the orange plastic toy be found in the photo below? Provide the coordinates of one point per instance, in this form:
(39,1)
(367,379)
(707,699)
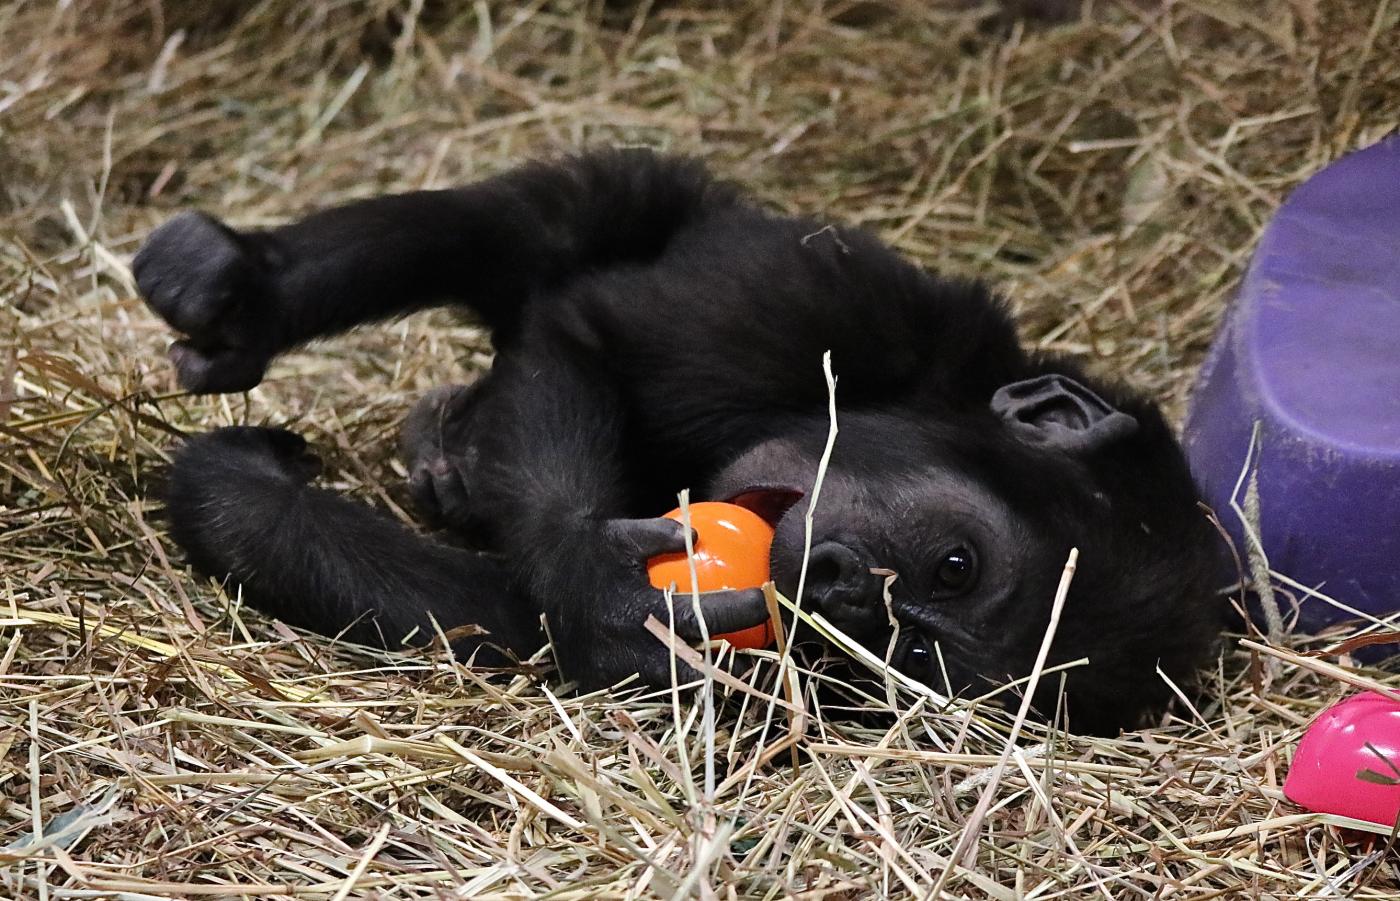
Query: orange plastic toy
(731,551)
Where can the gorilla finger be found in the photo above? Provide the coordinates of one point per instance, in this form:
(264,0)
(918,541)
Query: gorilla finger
(645,538)
(723,611)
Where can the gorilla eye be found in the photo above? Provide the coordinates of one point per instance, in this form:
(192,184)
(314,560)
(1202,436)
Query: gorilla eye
(956,572)
(918,660)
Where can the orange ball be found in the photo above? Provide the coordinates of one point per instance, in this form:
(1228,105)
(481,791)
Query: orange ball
(731,551)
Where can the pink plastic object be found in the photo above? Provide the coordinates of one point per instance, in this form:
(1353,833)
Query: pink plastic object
(1348,762)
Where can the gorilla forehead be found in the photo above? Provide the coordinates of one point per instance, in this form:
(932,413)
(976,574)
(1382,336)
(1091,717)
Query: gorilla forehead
(966,461)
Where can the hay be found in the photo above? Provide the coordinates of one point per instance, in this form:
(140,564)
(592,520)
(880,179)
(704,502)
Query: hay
(1112,173)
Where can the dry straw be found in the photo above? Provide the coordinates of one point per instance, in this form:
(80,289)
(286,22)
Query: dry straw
(157,741)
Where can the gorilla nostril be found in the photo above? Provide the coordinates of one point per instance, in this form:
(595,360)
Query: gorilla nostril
(824,571)
(833,562)
(840,579)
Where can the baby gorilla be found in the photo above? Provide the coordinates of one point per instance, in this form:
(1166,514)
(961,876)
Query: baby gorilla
(653,331)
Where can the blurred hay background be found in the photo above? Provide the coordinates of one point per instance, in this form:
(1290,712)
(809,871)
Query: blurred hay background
(1111,171)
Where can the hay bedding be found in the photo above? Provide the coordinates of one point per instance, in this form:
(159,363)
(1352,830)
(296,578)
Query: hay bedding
(1112,173)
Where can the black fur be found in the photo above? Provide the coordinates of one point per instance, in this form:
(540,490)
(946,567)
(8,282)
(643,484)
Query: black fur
(655,332)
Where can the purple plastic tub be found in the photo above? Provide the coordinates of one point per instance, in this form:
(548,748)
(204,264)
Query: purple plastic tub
(1311,352)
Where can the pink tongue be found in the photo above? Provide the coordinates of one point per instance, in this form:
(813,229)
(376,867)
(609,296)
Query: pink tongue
(769,502)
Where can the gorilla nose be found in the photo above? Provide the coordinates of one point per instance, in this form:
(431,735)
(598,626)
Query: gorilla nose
(841,583)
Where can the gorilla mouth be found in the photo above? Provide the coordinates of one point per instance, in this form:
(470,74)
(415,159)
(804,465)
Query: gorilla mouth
(771,502)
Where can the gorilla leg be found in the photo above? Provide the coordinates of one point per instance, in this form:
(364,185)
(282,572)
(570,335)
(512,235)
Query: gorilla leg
(240,298)
(239,505)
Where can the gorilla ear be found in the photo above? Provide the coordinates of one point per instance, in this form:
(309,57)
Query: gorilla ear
(1060,412)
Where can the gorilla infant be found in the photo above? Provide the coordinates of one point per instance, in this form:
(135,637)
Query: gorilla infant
(653,332)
